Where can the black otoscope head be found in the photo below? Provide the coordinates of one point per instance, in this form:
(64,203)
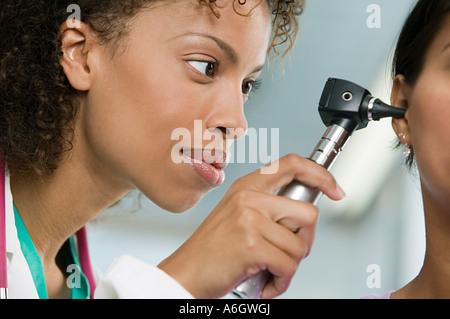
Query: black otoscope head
(349,105)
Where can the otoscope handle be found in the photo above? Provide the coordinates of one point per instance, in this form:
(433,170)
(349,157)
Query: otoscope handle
(325,153)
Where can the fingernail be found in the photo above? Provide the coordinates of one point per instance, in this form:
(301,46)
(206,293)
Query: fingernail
(340,191)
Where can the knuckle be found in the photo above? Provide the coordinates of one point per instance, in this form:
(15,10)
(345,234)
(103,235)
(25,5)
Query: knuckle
(328,178)
(291,268)
(283,288)
(292,159)
(250,246)
(242,197)
(312,215)
(301,251)
(252,270)
(247,221)
(296,163)
(324,176)
(247,218)
(250,242)
(307,214)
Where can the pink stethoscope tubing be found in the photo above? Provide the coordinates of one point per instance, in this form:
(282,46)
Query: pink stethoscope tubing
(3,260)
(81,239)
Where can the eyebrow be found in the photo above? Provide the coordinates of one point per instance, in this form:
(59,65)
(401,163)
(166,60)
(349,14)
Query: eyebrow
(258,69)
(225,47)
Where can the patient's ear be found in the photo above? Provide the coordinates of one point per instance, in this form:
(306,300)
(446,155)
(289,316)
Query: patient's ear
(400,98)
(75,47)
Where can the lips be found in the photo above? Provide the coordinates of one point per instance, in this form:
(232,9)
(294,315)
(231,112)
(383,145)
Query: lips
(208,164)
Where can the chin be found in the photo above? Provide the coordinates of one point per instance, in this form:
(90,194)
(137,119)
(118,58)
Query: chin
(180,207)
(179,204)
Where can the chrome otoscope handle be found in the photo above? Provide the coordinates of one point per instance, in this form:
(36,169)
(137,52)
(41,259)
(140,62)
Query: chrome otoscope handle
(325,153)
(252,287)
(3,293)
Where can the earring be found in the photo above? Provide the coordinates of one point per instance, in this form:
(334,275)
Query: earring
(407,150)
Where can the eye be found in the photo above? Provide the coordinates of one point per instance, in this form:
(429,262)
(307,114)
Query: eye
(204,67)
(250,86)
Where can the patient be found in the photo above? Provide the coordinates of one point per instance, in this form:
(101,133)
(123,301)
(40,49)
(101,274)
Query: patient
(421,70)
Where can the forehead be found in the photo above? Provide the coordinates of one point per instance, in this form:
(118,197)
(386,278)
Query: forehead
(441,41)
(229,10)
(236,24)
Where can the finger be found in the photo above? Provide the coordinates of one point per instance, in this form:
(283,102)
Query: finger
(280,278)
(281,274)
(279,220)
(275,287)
(290,243)
(308,235)
(299,218)
(281,230)
(280,265)
(285,211)
(292,167)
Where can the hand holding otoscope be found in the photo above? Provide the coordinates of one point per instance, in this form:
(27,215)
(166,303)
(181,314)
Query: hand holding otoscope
(344,108)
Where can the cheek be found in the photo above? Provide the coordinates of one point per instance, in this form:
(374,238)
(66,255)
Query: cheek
(430,132)
(429,114)
(129,118)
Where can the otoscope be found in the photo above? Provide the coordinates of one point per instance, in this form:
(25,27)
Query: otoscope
(344,107)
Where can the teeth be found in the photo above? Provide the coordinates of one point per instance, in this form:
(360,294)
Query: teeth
(196,155)
(217,160)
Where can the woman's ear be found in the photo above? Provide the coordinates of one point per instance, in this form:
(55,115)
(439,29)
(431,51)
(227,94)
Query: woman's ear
(400,99)
(75,54)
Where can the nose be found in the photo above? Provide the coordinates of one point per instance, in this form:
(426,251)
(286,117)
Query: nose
(227,113)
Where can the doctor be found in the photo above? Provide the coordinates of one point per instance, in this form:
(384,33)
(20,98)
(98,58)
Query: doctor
(87,111)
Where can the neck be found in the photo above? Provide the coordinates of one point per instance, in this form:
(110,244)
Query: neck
(55,207)
(433,280)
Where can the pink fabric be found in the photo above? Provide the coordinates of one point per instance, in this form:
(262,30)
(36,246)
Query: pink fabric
(3,270)
(385,296)
(85,260)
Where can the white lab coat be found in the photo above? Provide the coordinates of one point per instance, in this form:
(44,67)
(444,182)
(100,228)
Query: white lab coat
(127,277)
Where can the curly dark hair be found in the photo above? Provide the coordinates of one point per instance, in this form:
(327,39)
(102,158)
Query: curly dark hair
(37,103)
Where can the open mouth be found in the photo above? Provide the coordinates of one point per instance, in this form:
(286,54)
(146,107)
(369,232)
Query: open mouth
(213,157)
(208,164)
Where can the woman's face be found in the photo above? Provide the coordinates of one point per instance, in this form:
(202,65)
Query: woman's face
(180,68)
(428,115)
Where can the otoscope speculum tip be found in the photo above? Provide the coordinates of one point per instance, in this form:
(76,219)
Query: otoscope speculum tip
(381,110)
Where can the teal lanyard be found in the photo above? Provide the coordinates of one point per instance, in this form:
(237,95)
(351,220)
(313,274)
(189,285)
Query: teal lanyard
(80,285)
(78,281)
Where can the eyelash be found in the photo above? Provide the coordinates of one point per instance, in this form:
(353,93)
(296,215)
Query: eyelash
(255,84)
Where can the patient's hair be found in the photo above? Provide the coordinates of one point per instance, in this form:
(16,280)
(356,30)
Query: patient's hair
(37,103)
(419,31)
